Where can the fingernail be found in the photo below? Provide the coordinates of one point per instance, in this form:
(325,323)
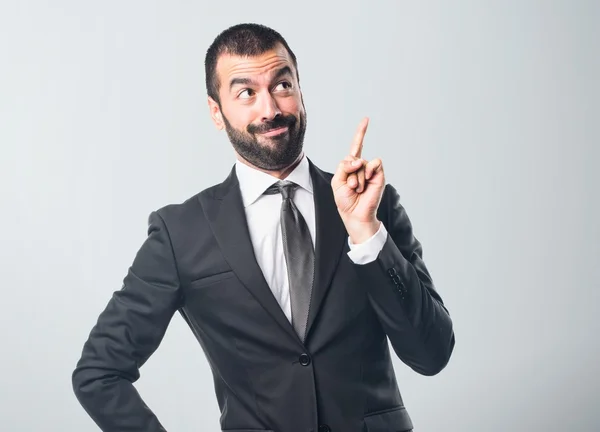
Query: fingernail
(356,162)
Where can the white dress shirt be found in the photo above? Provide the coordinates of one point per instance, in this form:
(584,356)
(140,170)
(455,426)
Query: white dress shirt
(263,216)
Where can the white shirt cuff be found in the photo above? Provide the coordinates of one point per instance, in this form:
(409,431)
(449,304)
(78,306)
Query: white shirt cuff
(368,251)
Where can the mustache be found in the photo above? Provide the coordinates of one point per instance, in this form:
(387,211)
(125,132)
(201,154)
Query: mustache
(276,123)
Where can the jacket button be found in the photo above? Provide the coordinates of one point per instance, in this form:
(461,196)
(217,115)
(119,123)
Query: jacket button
(324,428)
(392,272)
(305,361)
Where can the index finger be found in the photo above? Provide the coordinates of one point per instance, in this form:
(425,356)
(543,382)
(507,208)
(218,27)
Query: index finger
(357,142)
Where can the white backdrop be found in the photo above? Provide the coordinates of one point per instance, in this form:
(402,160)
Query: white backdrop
(484,113)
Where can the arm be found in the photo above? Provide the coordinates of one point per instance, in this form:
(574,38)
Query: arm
(399,286)
(127,332)
(402,292)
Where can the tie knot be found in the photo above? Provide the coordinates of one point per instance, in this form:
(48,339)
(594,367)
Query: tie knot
(284,187)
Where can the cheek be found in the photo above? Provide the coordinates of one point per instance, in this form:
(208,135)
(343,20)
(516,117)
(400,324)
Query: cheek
(292,105)
(240,119)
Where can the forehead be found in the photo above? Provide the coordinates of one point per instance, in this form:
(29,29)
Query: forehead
(260,66)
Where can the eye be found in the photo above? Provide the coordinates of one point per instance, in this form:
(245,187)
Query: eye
(246,93)
(283,85)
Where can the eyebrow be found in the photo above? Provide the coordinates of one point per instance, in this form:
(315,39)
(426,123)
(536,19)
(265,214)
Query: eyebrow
(286,70)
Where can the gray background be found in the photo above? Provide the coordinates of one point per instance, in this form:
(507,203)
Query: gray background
(484,113)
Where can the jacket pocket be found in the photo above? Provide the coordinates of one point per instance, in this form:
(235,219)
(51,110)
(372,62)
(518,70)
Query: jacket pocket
(393,420)
(209,280)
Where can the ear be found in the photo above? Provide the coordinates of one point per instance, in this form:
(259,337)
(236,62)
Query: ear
(215,113)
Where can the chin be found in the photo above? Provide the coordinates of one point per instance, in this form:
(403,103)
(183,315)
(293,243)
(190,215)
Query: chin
(276,141)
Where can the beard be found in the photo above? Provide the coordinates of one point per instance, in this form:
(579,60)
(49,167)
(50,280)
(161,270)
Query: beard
(283,149)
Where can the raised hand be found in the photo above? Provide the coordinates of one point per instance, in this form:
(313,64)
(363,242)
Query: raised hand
(357,187)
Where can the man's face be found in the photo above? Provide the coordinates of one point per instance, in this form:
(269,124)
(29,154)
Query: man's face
(261,108)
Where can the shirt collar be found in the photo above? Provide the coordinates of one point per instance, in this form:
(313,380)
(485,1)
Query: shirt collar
(253,183)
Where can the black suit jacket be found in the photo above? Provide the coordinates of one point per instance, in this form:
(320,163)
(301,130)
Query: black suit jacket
(198,260)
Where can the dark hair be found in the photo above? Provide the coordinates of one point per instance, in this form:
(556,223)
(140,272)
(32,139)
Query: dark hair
(241,40)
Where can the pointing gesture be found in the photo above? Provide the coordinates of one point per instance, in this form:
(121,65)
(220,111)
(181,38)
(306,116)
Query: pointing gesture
(357,187)
(357,179)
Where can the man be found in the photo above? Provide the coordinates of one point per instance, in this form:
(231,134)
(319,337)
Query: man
(291,278)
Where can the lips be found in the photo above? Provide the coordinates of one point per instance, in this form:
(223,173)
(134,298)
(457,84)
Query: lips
(275,132)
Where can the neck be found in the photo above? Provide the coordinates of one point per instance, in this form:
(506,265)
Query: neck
(281,174)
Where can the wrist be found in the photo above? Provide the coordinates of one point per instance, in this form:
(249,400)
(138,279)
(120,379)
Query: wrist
(361,231)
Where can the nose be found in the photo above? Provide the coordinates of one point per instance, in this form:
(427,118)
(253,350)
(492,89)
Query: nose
(269,108)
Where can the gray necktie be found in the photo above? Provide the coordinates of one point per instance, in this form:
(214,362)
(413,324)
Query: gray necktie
(299,255)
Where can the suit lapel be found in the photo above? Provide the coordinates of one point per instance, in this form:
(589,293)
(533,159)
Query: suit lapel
(225,213)
(331,235)
(227,218)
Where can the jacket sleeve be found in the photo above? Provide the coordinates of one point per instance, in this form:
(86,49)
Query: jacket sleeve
(126,333)
(402,293)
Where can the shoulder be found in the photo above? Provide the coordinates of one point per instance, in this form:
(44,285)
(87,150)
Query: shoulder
(191,211)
